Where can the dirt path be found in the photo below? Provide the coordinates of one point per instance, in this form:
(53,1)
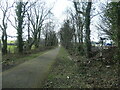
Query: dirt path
(31,73)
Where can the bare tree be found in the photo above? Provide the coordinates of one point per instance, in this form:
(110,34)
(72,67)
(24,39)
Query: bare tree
(21,11)
(49,34)
(37,16)
(4,25)
(66,34)
(87,26)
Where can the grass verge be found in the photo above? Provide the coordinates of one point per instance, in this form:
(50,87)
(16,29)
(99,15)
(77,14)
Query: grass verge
(67,73)
(63,72)
(12,60)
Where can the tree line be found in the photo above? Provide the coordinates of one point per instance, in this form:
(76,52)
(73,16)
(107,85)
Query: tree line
(30,17)
(75,32)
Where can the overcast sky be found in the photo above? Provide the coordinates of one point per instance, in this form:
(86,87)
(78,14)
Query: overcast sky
(59,9)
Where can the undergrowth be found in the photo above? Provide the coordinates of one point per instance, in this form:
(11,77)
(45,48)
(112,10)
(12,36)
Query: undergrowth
(79,72)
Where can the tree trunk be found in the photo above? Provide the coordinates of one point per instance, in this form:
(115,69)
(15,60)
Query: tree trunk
(87,26)
(28,31)
(4,34)
(4,40)
(78,34)
(20,39)
(39,34)
(36,40)
(75,38)
(20,16)
(118,25)
(81,34)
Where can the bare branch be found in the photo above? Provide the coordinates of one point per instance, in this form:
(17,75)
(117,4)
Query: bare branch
(12,23)
(97,14)
(1,27)
(75,4)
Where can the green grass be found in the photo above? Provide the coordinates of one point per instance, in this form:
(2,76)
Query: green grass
(18,57)
(32,56)
(11,48)
(62,73)
(15,59)
(9,41)
(67,73)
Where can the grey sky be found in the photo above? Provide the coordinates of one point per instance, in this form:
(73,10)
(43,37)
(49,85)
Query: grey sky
(59,12)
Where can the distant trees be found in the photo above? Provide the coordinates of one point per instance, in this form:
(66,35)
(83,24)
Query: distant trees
(37,15)
(51,39)
(76,22)
(49,33)
(66,34)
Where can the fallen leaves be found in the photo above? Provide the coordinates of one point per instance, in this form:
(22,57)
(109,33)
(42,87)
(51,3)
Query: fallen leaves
(83,74)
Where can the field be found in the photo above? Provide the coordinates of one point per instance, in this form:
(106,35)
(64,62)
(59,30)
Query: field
(12,48)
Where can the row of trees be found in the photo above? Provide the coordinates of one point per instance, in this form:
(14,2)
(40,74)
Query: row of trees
(30,17)
(76,29)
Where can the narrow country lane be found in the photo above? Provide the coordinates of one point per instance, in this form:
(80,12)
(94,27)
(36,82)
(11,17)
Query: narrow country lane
(31,73)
